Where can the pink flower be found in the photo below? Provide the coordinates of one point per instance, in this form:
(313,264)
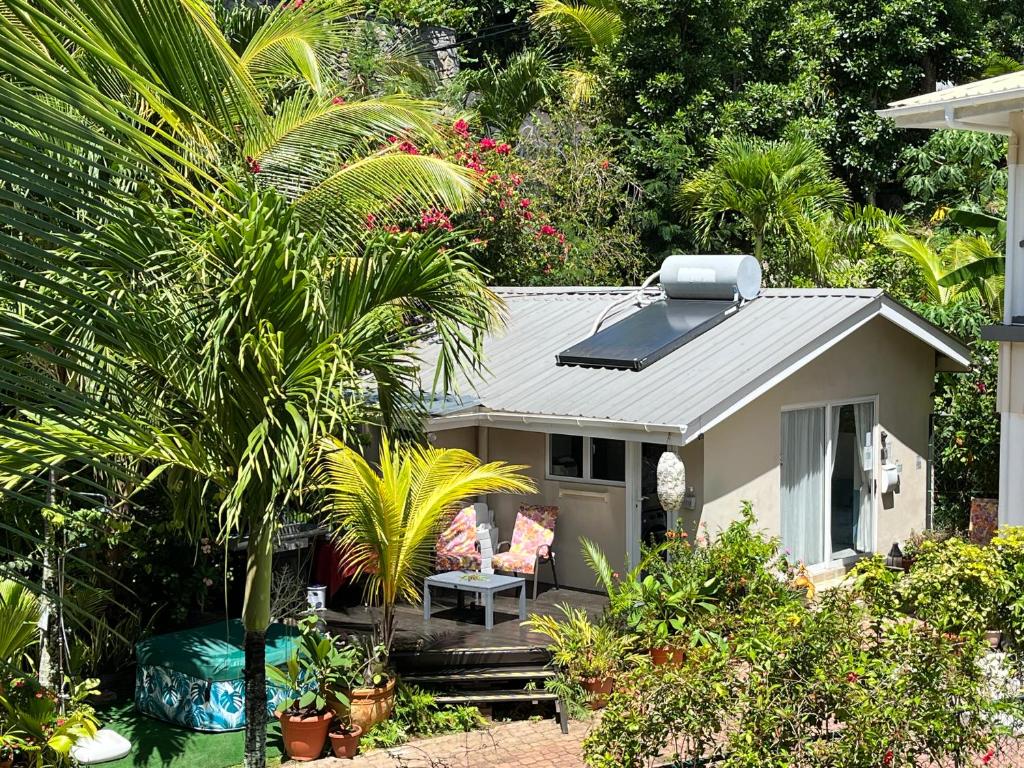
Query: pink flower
(461,127)
(604,165)
(254,167)
(392,139)
(408,147)
(371,221)
(547,229)
(435,218)
(516,179)
(503,149)
(982,388)
(208,582)
(524,203)
(887,757)
(852,677)
(337,101)
(528,215)
(615,574)
(987,757)
(487,143)
(298,4)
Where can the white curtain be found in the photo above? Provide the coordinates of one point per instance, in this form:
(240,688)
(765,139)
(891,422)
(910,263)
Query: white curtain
(864,423)
(803,483)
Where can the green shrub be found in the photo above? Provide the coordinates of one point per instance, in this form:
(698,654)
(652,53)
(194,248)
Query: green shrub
(1009,544)
(877,584)
(956,586)
(580,647)
(416,714)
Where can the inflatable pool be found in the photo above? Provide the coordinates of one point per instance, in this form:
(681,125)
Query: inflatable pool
(194,677)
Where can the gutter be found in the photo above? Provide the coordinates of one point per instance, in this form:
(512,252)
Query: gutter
(498,418)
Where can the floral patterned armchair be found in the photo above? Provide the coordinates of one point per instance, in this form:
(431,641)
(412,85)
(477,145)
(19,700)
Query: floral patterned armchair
(457,547)
(530,545)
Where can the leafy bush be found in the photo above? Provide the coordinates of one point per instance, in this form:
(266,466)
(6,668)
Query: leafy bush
(416,713)
(580,647)
(877,584)
(1009,544)
(956,586)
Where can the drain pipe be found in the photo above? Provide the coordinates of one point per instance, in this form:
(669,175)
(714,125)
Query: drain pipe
(637,296)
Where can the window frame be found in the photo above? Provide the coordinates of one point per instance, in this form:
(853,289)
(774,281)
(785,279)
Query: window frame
(588,460)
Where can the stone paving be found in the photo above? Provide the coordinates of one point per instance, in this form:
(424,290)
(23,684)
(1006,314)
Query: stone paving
(520,744)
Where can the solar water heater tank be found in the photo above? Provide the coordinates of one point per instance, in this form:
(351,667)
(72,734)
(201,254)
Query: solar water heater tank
(726,277)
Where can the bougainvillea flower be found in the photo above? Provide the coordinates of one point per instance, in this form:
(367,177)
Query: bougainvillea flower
(408,147)
(503,149)
(371,221)
(487,143)
(461,127)
(254,167)
(525,202)
(547,229)
(337,101)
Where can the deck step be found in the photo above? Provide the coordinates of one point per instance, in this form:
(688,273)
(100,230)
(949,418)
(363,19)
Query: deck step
(482,675)
(495,697)
(431,661)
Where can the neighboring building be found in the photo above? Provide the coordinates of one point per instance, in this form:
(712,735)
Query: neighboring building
(795,401)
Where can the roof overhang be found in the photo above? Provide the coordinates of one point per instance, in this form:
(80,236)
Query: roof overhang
(981,106)
(671,434)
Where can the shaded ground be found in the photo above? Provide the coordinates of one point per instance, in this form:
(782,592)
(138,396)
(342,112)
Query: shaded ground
(156,744)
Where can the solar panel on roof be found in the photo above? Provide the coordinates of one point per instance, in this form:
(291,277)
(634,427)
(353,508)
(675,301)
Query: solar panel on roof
(646,336)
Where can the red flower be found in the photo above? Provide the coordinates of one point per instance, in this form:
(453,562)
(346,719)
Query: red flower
(547,229)
(487,143)
(337,101)
(503,149)
(528,215)
(604,165)
(524,203)
(987,757)
(982,388)
(392,229)
(887,757)
(435,218)
(852,677)
(516,179)
(475,166)
(392,139)
(371,221)
(408,147)
(298,4)
(461,127)
(254,167)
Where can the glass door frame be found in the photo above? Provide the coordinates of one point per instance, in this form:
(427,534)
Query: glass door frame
(826,543)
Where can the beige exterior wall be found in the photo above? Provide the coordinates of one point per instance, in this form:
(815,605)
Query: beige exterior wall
(601,518)
(742,455)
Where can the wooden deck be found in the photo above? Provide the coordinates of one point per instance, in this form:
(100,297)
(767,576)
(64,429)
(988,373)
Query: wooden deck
(452,629)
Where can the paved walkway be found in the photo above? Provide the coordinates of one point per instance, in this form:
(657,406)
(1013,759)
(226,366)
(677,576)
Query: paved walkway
(520,744)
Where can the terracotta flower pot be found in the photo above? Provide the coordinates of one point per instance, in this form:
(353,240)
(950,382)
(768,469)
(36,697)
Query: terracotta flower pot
(667,656)
(369,706)
(345,744)
(304,737)
(599,689)
(7,762)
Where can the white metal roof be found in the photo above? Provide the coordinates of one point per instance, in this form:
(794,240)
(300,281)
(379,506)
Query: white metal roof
(984,105)
(679,396)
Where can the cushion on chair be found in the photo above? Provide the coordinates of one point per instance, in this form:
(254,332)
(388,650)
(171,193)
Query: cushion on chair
(456,546)
(514,561)
(535,529)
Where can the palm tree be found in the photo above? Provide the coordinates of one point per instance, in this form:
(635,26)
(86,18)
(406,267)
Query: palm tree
(780,190)
(967,268)
(198,341)
(389,518)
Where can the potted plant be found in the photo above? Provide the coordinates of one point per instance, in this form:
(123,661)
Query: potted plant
(11,745)
(345,736)
(408,495)
(587,652)
(667,606)
(316,671)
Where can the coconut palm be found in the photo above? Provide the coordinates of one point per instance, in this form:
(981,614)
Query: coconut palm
(388,518)
(781,190)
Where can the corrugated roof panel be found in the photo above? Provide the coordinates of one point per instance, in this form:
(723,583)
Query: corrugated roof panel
(678,389)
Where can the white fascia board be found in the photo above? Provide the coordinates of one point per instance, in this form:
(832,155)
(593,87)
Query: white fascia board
(920,328)
(986,113)
(671,434)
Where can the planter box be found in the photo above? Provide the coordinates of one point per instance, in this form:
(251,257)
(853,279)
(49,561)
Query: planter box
(194,678)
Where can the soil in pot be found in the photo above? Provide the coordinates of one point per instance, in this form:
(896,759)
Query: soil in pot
(345,744)
(667,655)
(599,689)
(304,737)
(369,706)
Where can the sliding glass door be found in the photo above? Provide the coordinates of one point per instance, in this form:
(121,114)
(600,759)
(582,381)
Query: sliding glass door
(827,481)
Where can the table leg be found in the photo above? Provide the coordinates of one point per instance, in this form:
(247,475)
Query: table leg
(522,602)
(462,599)
(426,600)
(489,610)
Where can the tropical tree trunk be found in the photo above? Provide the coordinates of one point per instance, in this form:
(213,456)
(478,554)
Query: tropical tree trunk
(256,617)
(50,672)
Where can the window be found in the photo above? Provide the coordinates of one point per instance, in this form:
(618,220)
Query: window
(608,460)
(566,456)
(587,458)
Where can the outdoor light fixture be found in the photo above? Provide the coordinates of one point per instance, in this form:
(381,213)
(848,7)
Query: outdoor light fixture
(671,482)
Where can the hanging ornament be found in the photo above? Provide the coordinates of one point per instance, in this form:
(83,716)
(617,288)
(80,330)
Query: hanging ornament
(671,482)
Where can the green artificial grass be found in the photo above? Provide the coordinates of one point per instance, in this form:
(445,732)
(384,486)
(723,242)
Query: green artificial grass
(156,744)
